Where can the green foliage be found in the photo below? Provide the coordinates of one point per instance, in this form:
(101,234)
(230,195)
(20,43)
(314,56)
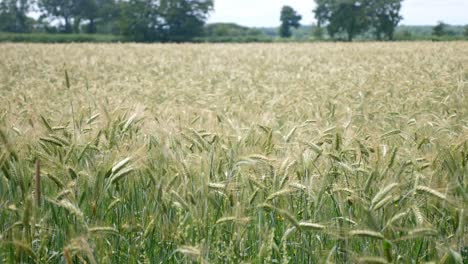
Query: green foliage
(89,9)
(57,38)
(13,16)
(404,32)
(289,18)
(404,35)
(444,31)
(74,16)
(183,19)
(355,17)
(65,10)
(350,17)
(440,29)
(385,17)
(139,20)
(165,20)
(229,30)
(343,16)
(234,39)
(317,32)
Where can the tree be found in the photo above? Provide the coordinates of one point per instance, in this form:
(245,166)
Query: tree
(13,16)
(164,20)
(72,14)
(440,29)
(323,11)
(347,16)
(351,17)
(354,17)
(385,17)
(94,11)
(89,10)
(465,33)
(183,19)
(64,10)
(139,20)
(289,18)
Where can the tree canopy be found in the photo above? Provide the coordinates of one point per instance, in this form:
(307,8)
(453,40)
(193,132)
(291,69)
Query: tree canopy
(13,16)
(353,17)
(385,17)
(185,20)
(139,20)
(289,18)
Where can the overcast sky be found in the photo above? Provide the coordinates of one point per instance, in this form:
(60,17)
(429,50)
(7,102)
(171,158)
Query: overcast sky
(258,13)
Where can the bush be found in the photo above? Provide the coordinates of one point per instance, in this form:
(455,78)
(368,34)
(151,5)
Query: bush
(235,39)
(57,38)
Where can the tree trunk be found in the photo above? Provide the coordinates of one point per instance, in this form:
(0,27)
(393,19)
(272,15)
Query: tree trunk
(76,25)
(350,36)
(91,26)
(378,36)
(68,28)
(390,35)
(350,31)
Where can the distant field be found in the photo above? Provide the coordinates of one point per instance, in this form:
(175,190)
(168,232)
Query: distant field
(259,153)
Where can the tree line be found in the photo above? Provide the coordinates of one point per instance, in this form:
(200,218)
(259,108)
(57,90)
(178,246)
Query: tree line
(184,20)
(348,17)
(353,17)
(139,20)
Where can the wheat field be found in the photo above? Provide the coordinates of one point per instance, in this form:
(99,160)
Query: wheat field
(252,153)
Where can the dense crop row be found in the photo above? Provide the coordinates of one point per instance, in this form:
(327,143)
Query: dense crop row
(234,153)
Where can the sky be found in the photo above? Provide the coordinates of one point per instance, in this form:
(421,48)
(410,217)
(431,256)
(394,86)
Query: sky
(265,13)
